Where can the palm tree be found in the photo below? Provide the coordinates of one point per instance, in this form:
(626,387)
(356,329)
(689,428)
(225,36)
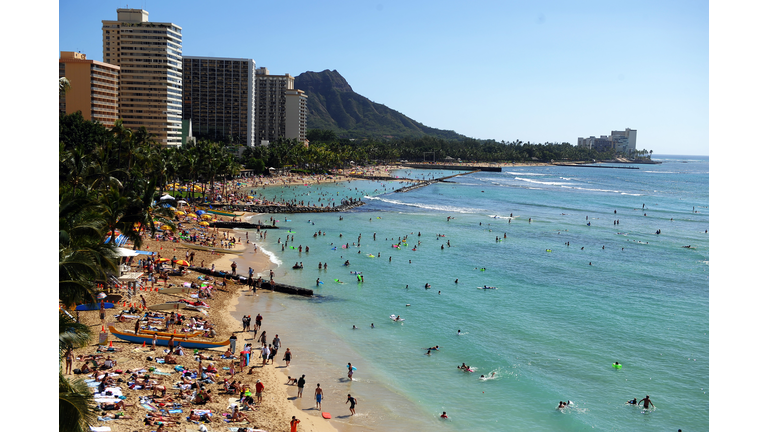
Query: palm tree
(64,86)
(76,405)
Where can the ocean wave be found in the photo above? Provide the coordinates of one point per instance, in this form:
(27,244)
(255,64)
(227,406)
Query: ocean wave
(272,257)
(428,207)
(542,182)
(523,173)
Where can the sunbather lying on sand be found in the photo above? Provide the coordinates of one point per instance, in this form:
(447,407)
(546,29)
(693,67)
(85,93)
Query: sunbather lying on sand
(200,417)
(113,406)
(238,416)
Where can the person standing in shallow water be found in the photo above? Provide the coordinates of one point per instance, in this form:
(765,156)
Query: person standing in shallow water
(319,397)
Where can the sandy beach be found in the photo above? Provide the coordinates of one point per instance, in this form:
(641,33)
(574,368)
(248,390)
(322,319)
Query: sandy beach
(273,414)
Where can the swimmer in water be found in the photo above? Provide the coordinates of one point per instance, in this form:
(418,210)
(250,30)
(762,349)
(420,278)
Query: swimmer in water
(354,327)
(646,400)
(459,333)
(632,402)
(372,325)
(562,405)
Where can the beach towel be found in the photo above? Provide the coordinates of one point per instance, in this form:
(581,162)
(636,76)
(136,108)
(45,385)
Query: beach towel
(148,406)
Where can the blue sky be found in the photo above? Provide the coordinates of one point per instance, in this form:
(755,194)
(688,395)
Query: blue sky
(548,71)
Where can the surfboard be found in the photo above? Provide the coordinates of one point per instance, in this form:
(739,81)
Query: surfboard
(393,317)
(326,415)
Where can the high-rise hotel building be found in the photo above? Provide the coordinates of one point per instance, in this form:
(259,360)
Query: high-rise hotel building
(150,61)
(270,116)
(218,98)
(94,88)
(296,115)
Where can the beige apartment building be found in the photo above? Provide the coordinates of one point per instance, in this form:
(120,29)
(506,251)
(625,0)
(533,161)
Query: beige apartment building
(296,115)
(218,98)
(93,88)
(270,114)
(150,61)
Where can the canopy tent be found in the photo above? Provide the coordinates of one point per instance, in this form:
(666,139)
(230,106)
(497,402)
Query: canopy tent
(123,252)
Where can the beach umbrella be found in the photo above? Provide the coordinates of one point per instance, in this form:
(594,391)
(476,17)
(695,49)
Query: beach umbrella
(199,212)
(204,223)
(166,197)
(206,216)
(182,263)
(166,228)
(161,260)
(101,295)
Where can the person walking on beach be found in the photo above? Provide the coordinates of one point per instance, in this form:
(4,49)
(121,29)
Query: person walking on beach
(318,396)
(350,371)
(259,390)
(232,343)
(287,357)
(300,384)
(352,402)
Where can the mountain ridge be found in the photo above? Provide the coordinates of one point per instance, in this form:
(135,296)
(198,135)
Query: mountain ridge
(332,104)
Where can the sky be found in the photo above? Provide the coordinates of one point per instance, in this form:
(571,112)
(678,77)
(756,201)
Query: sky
(548,71)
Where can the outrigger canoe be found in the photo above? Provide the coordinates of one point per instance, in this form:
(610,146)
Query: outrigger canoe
(178,340)
(168,334)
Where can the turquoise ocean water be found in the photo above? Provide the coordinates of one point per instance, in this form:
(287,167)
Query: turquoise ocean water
(552,329)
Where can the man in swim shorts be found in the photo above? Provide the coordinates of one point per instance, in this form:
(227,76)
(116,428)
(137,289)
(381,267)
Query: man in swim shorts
(646,400)
(300,385)
(318,397)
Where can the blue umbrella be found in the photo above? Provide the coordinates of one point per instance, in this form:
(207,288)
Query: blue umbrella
(199,212)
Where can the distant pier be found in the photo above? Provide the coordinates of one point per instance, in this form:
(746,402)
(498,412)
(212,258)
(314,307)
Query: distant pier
(452,167)
(429,182)
(594,166)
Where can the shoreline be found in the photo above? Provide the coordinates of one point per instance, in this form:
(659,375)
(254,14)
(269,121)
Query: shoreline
(273,414)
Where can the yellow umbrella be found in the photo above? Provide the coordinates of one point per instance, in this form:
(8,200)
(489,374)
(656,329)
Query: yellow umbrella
(206,216)
(204,223)
(166,227)
(250,197)
(180,213)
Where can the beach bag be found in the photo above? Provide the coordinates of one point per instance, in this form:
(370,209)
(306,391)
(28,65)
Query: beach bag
(76,371)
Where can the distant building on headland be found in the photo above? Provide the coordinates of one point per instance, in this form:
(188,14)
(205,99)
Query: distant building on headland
(622,141)
(93,88)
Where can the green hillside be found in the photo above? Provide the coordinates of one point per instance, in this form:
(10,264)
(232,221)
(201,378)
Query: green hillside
(333,105)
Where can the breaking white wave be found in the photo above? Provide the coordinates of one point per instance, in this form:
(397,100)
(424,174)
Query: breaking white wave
(542,182)
(428,207)
(523,173)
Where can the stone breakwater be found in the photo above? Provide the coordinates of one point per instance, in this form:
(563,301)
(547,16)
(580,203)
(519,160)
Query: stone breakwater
(265,284)
(287,208)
